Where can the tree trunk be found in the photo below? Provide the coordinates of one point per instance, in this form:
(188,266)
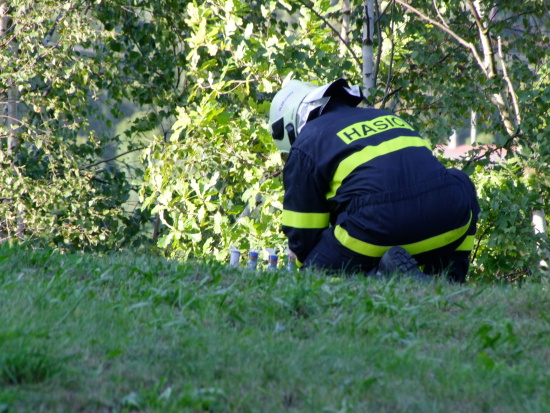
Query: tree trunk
(473,127)
(344,31)
(539,224)
(368,55)
(10,112)
(11,119)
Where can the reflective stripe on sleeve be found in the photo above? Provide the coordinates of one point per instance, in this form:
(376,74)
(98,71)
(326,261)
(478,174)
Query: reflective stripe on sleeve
(367,154)
(306,220)
(372,250)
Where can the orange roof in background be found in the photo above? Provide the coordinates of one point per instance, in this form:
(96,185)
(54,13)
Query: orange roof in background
(461,151)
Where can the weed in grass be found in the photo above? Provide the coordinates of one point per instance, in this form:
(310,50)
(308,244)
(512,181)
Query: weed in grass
(27,366)
(205,399)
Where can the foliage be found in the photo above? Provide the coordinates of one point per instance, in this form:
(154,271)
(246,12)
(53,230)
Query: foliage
(212,169)
(130,332)
(253,49)
(49,185)
(216,182)
(500,73)
(74,66)
(507,203)
(213,177)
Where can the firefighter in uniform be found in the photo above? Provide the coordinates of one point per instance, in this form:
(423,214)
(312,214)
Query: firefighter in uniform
(363,191)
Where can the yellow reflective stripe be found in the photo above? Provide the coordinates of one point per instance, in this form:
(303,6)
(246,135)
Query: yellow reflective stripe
(371,250)
(369,153)
(306,220)
(364,129)
(298,263)
(467,244)
(356,245)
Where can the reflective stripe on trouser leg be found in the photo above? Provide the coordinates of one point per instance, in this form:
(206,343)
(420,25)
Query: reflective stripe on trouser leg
(372,250)
(467,244)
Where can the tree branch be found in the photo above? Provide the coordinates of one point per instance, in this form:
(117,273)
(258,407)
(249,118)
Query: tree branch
(488,152)
(451,33)
(509,82)
(489,64)
(112,159)
(440,15)
(310,7)
(49,35)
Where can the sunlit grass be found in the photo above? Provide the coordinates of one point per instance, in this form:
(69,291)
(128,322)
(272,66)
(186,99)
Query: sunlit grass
(138,333)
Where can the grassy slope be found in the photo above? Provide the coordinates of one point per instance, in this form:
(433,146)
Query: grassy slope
(121,333)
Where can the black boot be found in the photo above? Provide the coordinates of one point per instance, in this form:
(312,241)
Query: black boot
(397,260)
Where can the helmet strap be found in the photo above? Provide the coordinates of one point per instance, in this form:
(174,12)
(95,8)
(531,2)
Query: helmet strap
(291,133)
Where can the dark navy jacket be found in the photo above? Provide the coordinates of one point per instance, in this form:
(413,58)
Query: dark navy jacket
(369,177)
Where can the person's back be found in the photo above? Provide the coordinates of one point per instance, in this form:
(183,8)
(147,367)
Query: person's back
(361,151)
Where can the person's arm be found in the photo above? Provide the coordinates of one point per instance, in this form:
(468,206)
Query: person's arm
(305,208)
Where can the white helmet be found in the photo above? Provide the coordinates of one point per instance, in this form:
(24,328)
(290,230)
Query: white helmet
(299,102)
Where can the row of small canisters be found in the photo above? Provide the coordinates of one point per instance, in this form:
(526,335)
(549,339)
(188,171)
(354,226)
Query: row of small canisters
(252,262)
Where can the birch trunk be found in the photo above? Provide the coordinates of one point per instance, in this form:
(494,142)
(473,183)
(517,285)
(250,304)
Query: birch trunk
(10,111)
(344,31)
(473,127)
(367,47)
(10,115)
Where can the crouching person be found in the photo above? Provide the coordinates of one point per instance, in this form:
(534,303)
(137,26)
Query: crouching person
(363,190)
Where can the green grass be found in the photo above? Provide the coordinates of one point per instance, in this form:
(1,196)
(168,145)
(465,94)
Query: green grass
(135,333)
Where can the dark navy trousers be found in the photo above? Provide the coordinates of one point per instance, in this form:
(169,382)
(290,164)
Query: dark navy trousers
(428,211)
